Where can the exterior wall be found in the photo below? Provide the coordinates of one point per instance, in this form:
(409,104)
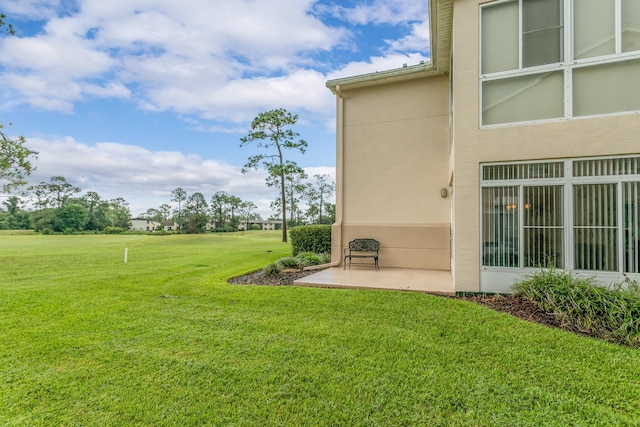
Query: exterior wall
(138,224)
(264,225)
(614,135)
(392,164)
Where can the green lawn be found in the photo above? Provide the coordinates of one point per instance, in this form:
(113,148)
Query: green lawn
(86,340)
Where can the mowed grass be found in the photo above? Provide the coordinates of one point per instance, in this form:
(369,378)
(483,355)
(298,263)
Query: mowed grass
(165,341)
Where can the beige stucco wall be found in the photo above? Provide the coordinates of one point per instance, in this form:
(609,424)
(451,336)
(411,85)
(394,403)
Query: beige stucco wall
(473,146)
(392,164)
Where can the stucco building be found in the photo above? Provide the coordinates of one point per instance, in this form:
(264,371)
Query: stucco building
(517,146)
(144,224)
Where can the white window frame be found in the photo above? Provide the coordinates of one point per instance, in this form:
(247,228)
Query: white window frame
(567,65)
(568,181)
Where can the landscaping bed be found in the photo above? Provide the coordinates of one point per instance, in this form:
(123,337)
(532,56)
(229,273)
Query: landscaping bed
(286,277)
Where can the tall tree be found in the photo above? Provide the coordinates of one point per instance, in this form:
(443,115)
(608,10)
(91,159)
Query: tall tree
(179,195)
(195,209)
(55,193)
(96,211)
(196,204)
(235,203)
(14,218)
(15,161)
(294,189)
(312,197)
(219,208)
(247,212)
(330,209)
(324,187)
(153,214)
(119,214)
(272,130)
(72,217)
(12,205)
(165,210)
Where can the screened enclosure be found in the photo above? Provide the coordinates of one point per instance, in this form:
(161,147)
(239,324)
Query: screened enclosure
(574,214)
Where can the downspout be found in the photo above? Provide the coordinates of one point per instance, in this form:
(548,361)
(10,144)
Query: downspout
(336,228)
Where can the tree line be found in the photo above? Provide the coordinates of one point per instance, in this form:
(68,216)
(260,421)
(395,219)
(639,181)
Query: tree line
(59,206)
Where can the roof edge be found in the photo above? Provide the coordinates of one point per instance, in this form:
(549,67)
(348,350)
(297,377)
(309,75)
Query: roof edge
(383,77)
(440,23)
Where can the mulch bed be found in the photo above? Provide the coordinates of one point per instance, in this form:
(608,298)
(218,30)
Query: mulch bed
(516,305)
(259,278)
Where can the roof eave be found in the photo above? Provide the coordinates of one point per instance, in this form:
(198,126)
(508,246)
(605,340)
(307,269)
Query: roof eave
(440,21)
(383,77)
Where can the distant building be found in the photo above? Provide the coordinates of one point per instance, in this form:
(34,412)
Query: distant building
(264,225)
(170,226)
(144,224)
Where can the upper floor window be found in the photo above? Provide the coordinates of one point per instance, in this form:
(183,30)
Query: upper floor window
(511,41)
(554,59)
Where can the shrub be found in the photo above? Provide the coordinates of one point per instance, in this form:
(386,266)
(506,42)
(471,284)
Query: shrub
(113,230)
(226,229)
(305,259)
(289,262)
(309,258)
(311,238)
(272,269)
(612,313)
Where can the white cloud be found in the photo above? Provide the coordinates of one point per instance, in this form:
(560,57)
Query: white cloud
(34,9)
(379,12)
(70,57)
(215,60)
(321,170)
(187,57)
(146,178)
(416,41)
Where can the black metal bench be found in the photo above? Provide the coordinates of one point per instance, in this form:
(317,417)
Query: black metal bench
(362,248)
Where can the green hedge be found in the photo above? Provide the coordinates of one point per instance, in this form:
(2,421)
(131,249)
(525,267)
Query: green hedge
(311,238)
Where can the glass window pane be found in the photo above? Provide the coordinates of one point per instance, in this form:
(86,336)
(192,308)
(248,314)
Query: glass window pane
(519,99)
(538,170)
(605,89)
(630,25)
(631,206)
(500,38)
(595,227)
(607,167)
(542,32)
(594,28)
(543,226)
(500,226)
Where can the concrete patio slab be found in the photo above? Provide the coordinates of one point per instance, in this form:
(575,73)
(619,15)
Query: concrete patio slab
(403,279)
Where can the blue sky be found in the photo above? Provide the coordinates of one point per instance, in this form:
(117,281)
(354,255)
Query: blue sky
(134,98)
